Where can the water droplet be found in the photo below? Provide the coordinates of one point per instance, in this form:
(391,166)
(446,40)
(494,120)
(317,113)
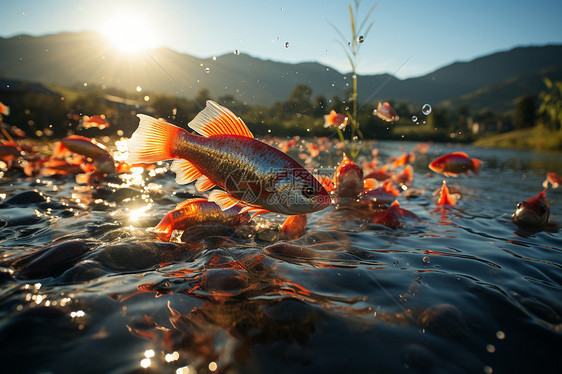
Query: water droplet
(490,348)
(207,70)
(426,259)
(500,335)
(375,112)
(139,88)
(426,109)
(354,76)
(361,39)
(414,119)
(349,44)
(286,44)
(236,52)
(214,58)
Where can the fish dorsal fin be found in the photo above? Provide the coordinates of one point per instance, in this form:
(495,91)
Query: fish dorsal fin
(218,120)
(223,199)
(463,154)
(185,171)
(189,201)
(204,184)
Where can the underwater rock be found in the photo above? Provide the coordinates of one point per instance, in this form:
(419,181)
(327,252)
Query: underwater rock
(51,260)
(418,356)
(123,194)
(83,271)
(24,198)
(444,319)
(5,275)
(212,234)
(135,256)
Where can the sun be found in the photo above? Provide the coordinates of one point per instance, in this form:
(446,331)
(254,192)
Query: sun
(129,32)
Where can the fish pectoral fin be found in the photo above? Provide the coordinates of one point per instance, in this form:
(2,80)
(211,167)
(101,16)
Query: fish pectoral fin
(223,199)
(185,203)
(204,184)
(185,171)
(254,211)
(218,120)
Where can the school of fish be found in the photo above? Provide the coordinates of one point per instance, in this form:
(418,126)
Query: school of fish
(248,177)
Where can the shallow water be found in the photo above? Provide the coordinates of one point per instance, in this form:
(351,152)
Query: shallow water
(462,290)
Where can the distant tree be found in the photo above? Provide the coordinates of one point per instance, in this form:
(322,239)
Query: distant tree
(524,114)
(337,104)
(320,105)
(226,100)
(299,100)
(439,118)
(202,96)
(551,104)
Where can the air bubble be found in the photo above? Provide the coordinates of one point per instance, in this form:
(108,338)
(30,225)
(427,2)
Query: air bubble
(286,44)
(414,119)
(426,109)
(236,52)
(207,70)
(426,259)
(361,39)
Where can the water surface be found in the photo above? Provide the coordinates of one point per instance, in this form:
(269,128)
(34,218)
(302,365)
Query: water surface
(463,290)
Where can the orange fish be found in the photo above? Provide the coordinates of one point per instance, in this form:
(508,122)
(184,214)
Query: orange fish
(9,151)
(445,198)
(294,227)
(406,177)
(393,217)
(103,161)
(252,173)
(385,112)
(533,212)
(4,109)
(380,175)
(288,145)
(95,121)
(382,195)
(335,119)
(199,211)
(452,164)
(403,160)
(554,179)
(348,179)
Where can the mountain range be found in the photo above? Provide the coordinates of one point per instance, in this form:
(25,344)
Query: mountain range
(492,82)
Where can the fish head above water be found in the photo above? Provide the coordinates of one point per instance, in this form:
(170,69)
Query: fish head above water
(532,212)
(296,191)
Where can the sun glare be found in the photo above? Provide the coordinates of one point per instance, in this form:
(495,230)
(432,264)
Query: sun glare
(129,32)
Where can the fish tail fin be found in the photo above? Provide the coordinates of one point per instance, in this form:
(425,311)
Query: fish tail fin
(165,227)
(409,171)
(152,141)
(476,165)
(60,150)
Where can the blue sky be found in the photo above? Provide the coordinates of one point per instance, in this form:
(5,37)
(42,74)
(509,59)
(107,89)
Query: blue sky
(409,37)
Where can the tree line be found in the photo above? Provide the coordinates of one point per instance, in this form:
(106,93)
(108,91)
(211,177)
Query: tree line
(301,113)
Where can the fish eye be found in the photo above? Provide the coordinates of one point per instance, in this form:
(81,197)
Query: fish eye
(308,191)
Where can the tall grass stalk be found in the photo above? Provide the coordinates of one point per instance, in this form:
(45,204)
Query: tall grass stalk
(359,33)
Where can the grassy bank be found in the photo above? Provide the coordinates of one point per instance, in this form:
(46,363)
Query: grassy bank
(537,137)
